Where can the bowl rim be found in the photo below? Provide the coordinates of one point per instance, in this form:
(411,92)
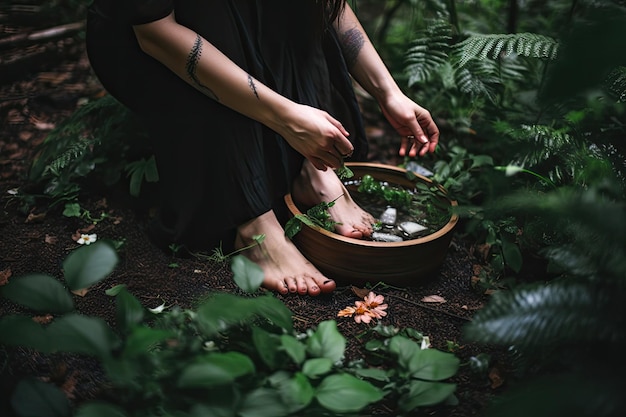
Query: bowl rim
(447,228)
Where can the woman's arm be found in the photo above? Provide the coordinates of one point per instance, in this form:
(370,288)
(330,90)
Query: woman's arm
(312,132)
(415,124)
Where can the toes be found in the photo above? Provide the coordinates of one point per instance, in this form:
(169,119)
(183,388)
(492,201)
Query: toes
(328,285)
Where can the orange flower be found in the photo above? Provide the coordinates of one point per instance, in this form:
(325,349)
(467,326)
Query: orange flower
(364,311)
(346,312)
(375,305)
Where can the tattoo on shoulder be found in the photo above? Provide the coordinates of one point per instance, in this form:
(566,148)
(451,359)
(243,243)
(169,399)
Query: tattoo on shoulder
(351,44)
(192,65)
(252,86)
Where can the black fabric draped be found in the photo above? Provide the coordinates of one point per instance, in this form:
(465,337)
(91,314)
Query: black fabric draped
(217,168)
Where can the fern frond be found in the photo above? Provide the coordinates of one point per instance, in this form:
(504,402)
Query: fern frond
(536,316)
(499,45)
(74,151)
(545,142)
(478,80)
(428,52)
(616,82)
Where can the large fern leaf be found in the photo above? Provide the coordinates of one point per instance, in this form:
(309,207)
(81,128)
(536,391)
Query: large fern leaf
(536,316)
(499,45)
(428,51)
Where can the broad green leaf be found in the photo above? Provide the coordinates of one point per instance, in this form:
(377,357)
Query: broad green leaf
(99,409)
(23,331)
(404,349)
(128,310)
(327,342)
(247,275)
(294,348)
(81,334)
(89,264)
(41,293)
(267,346)
(222,310)
(296,392)
(216,369)
(433,365)
(142,339)
(512,255)
(424,393)
(34,398)
(316,367)
(275,311)
(152,173)
(263,402)
(345,393)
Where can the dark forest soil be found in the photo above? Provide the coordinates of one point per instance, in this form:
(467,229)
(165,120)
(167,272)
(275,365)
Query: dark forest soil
(38,240)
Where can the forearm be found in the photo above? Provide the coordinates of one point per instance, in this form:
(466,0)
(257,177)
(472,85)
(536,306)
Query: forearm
(363,60)
(207,69)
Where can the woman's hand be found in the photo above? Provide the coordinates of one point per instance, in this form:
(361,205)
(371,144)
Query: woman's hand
(419,132)
(318,136)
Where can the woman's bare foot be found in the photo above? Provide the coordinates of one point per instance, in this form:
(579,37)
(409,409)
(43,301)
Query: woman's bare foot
(285,268)
(314,186)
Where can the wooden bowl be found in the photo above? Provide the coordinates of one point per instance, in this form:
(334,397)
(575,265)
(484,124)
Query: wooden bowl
(355,261)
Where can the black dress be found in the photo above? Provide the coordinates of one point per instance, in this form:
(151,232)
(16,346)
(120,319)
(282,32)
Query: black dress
(218,168)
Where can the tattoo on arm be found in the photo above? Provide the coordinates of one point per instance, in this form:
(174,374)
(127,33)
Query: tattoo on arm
(252,86)
(351,42)
(192,65)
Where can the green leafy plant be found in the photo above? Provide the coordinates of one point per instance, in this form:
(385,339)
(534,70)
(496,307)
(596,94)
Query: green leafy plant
(315,216)
(231,356)
(100,141)
(569,336)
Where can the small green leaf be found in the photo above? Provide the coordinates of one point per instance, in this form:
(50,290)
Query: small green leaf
(327,342)
(115,290)
(41,293)
(345,393)
(99,409)
(128,309)
(316,367)
(216,369)
(512,255)
(292,227)
(372,373)
(33,398)
(247,274)
(294,348)
(89,264)
(72,210)
(267,346)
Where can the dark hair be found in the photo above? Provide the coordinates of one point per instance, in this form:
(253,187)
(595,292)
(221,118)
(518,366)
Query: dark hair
(334,9)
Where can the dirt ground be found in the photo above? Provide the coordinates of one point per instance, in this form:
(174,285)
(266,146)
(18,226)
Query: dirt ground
(32,103)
